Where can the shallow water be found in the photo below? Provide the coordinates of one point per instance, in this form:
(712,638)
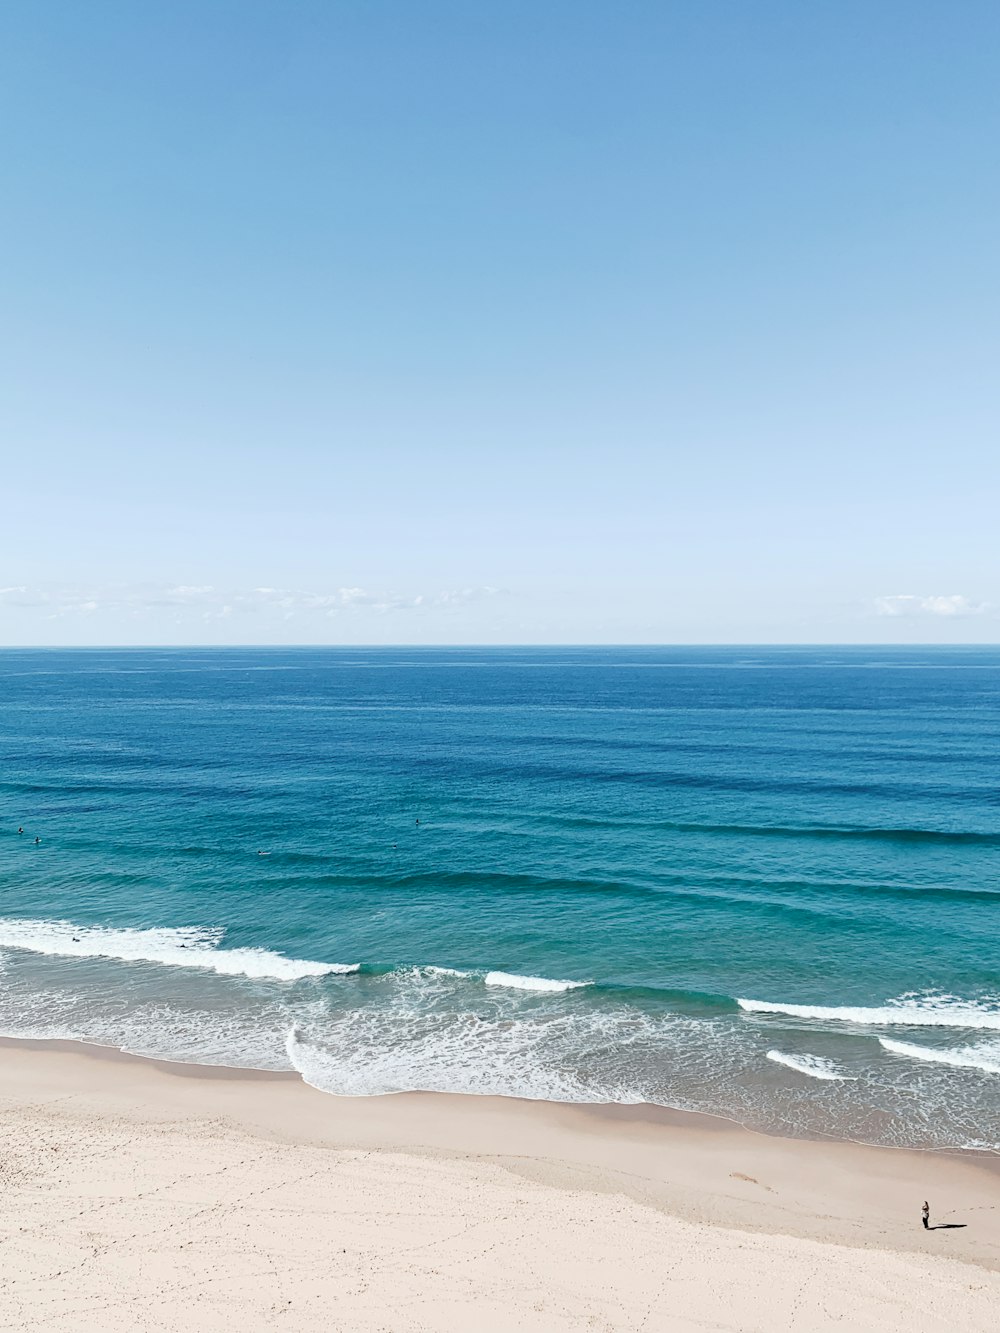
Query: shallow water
(762,882)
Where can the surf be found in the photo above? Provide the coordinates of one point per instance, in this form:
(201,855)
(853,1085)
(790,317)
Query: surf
(932,1011)
(182,946)
(813,1066)
(985,1059)
(515,982)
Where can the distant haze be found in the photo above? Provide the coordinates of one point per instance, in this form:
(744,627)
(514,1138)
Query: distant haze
(506,322)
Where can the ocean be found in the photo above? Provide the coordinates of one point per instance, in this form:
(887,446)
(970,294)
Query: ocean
(757,882)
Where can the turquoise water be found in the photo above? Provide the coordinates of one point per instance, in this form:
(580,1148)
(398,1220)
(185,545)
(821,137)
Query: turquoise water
(761,882)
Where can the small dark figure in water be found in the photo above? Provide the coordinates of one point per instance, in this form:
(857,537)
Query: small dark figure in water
(926,1215)
(38,840)
(20,830)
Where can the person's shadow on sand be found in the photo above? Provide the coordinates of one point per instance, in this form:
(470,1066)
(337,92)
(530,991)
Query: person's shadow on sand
(948,1226)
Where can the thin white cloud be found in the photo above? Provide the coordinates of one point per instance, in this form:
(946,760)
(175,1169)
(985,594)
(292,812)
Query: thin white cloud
(462,596)
(909,604)
(293,602)
(184,592)
(20,596)
(207,602)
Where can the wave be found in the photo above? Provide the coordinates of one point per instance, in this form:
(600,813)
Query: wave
(985,1057)
(200,947)
(515,982)
(531,771)
(839,832)
(936,1011)
(958,837)
(184,946)
(375,1052)
(815,1066)
(759,893)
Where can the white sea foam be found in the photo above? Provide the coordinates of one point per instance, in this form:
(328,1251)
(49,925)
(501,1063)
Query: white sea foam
(515,982)
(815,1066)
(184,946)
(985,1056)
(350,1060)
(371,1052)
(235,1036)
(935,1011)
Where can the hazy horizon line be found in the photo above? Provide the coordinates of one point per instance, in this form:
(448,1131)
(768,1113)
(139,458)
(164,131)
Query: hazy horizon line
(432,647)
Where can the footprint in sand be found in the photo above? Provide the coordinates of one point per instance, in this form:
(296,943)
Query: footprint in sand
(751,1180)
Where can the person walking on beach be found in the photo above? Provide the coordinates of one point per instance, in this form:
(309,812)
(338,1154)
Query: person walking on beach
(925,1213)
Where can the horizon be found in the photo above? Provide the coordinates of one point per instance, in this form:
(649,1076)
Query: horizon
(956,646)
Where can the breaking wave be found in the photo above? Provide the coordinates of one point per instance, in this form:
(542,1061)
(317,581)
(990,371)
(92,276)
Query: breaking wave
(184,946)
(936,1011)
(515,982)
(815,1066)
(985,1057)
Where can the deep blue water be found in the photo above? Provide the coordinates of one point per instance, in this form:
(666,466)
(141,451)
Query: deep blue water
(813,831)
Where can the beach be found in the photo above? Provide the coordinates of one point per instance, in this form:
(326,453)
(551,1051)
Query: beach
(147,1195)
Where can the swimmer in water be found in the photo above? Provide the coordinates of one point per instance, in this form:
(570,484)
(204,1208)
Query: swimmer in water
(20,830)
(38,840)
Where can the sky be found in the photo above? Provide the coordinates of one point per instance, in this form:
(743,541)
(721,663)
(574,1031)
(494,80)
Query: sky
(499,321)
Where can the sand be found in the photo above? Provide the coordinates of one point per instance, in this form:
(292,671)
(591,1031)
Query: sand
(146,1196)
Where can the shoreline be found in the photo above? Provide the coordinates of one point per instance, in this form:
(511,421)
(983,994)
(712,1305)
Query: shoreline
(144,1193)
(645,1112)
(673,1160)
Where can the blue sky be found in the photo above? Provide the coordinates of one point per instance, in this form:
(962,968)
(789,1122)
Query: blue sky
(500,321)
